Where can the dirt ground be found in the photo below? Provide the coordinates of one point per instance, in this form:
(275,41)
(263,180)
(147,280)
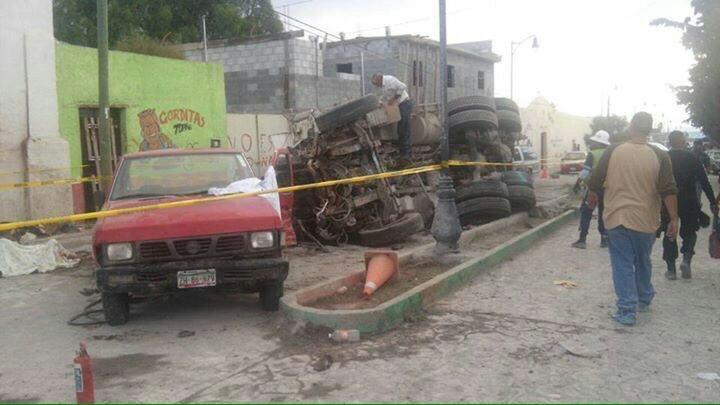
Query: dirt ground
(510,335)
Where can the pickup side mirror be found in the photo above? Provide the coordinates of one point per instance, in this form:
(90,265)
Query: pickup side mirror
(99,197)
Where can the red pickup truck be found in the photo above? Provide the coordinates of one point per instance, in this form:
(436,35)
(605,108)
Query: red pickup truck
(230,244)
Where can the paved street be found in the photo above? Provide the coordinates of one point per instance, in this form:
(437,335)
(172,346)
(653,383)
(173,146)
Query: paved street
(509,336)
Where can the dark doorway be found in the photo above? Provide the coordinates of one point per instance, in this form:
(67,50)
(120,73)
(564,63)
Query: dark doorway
(91,149)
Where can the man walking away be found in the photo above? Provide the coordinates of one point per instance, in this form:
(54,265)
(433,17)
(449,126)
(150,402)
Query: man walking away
(395,91)
(688,171)
(635,177)
(597,144)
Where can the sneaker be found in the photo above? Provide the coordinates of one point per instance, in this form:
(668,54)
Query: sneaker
(643,307)
(580,244)
(624,318)
(686,270)
(604,242)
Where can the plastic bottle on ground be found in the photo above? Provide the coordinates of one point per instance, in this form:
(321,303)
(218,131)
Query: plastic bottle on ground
(345,335)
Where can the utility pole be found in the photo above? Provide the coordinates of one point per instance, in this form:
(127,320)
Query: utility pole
(446,227)
(205,58)
(106,169)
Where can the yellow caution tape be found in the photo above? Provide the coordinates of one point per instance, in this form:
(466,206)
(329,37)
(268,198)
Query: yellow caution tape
(186,203)
(48,182)
(54,169)
(42,183)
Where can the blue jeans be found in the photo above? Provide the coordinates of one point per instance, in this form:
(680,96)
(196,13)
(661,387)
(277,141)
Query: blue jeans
(586,217)
(631,267)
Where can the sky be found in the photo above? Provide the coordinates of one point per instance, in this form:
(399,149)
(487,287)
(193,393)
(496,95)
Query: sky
(589,50)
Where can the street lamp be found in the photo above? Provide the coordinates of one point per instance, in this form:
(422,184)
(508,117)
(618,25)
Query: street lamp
(514,47)
(446,227)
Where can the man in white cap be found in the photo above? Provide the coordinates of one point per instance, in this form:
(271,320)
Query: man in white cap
(597,145)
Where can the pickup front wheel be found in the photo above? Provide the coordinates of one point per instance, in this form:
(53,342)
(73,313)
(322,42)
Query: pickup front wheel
(116,307)
(270,296)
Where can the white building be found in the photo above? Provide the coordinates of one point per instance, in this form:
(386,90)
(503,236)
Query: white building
(31,148)
(563,130)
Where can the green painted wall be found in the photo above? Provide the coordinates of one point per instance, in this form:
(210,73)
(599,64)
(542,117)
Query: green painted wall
(188,98)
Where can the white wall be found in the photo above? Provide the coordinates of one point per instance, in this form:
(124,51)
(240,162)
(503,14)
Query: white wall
(562,128)
(258,136)
(29,137)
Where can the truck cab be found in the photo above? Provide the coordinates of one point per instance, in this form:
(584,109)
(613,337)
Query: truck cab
(230,244)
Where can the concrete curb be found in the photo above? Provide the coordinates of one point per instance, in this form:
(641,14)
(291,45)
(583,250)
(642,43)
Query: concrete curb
(391,313)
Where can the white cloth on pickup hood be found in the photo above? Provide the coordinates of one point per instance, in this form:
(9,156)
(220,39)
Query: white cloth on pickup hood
(17,259)
(269,182)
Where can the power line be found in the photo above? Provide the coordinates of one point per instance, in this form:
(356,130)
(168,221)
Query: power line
(406,22)
(341,39)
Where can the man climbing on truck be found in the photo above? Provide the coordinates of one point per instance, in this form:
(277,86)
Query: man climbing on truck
(395,92)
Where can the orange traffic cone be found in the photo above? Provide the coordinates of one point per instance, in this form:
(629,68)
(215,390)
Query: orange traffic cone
(380,266)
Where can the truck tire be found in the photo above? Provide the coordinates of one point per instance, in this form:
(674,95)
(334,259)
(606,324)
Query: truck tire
(473,119)
(116,307)
(483,209)
(506,104)
(346,113)
(482,188)
(395,232)
(522,198)
(461,104)
(516,178)
(270,295)
(509,121)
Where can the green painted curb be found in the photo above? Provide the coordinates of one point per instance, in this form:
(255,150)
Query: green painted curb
(393,312)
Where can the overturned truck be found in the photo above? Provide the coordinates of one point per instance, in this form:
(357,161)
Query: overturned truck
(360,138)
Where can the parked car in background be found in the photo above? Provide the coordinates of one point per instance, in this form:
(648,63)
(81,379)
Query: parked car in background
(525,158)
(572,162)
(229,244)
(714,155)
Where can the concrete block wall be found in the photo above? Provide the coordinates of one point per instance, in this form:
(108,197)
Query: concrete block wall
(274,76)
(395,57)
(331,91)
(254,74)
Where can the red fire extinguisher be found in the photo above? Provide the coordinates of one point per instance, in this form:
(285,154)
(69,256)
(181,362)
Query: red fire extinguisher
(84,384)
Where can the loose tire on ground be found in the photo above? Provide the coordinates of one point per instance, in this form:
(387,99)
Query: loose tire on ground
(516,178)
(473,119)
(509,121)
(346,113)
(270,296)
(522,198)
(483,209)
(478,102)
(395,232)
(116,307)
(506,104)
(482,188)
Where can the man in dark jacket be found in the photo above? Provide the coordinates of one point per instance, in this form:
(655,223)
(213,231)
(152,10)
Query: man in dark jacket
(688,172)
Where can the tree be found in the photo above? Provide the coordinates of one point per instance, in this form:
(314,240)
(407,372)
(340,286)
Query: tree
(702,97)
(613,124)
(167,21)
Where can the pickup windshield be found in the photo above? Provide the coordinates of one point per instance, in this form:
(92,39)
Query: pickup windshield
(158,176)
(528,153)
(574,156)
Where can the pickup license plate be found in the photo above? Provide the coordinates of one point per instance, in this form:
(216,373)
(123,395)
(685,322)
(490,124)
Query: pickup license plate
(196,278)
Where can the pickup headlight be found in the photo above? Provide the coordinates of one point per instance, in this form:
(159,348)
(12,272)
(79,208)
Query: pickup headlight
(119,251)
(262,240)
